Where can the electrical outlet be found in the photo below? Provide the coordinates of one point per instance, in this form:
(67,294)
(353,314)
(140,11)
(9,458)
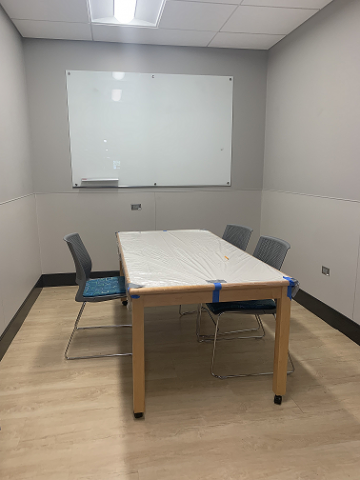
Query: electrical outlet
(326,271)
(136,206)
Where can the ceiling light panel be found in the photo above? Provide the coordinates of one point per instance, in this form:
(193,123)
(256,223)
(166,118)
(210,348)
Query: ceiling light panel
(124,10)
(312,4)
(144,13)
(195,15)
(52,10)
(149,10)
(245,40)
(279,21)
(101,9)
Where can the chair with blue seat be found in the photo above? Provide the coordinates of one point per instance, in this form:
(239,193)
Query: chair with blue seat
(269,250)
(92,290)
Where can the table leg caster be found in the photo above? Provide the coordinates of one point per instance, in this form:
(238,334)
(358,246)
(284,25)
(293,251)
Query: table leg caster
(138,414)
(125,302)
(278,399)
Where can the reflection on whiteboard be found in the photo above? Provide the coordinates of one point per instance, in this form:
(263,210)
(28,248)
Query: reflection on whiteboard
(143,129)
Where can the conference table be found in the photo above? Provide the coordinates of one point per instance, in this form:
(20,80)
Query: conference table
(179,267)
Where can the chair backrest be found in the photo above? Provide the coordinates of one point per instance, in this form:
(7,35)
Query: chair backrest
(81,259)
(238,235)
(271,250)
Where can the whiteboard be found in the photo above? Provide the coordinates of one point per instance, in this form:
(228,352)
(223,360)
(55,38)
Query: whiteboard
(144,129)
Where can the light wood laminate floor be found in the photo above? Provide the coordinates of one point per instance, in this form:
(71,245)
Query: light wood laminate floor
(72,420)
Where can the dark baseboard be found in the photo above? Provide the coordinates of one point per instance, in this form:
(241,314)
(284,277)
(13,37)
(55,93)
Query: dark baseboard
(18,319)
(329,315)
(68,279)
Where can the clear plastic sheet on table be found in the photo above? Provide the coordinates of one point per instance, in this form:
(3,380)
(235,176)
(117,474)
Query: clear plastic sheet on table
(188,257)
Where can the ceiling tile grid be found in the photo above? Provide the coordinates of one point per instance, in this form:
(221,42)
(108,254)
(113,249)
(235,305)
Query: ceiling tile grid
(266,20)
(72,11)
(242,24)
(245,40)
(104,33)
(195,15)
(54,30)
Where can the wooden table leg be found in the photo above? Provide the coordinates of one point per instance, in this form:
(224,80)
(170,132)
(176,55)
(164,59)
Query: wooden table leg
(281,346)
(121,269)
(138,357)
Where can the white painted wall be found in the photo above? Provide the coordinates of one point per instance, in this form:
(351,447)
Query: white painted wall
(19,245)
(312,148)
(98,214)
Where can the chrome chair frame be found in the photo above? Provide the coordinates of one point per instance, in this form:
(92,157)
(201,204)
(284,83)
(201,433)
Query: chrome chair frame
(83,266)
(272,251)
(202,338)
(223,377)
(76,329)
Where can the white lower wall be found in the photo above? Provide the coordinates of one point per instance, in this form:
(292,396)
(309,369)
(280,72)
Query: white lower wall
(96,216)
(19,255)
(321,231)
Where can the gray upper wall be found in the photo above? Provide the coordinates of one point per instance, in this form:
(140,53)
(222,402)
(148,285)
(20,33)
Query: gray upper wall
(47,60)
(15,164)
(312,141)
(20,266)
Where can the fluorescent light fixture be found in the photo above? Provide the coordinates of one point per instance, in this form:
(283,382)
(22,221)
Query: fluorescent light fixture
(124,10)
(134,13)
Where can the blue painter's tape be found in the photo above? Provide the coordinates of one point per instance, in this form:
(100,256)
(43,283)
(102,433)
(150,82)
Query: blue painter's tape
(216,293)
(292,283)
(135,296)
(164,230)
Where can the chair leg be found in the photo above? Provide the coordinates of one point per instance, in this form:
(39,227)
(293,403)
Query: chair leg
(76,328)
(202,338)
(223,377)
(209,338)
(181,314)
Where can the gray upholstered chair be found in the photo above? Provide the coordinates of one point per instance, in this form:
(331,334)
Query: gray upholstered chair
(92,290)
(238,236)
(269,250)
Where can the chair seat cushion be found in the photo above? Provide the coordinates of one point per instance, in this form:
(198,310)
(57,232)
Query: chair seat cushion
(247,306)
(99,287)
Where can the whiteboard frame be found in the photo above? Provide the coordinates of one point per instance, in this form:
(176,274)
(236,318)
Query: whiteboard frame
(103,183)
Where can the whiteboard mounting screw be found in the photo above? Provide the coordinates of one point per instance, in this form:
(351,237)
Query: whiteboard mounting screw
(154,183)
(228,183)
(152,76)
(230,79)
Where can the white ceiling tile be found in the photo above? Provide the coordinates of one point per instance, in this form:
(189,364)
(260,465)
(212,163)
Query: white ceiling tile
(313,4)
(56,30)
(153,36)
(195,16)
(53,10)
(255,41)
(266,20)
